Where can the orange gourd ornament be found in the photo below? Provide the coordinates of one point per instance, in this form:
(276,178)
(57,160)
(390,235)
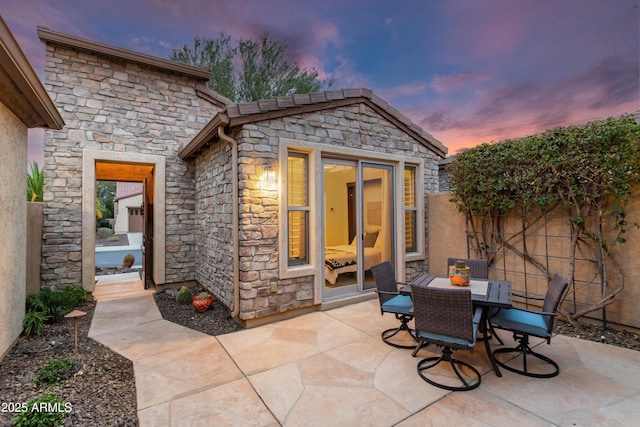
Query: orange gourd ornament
(459,274)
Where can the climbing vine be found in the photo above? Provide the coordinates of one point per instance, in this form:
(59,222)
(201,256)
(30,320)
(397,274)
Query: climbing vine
(584,171)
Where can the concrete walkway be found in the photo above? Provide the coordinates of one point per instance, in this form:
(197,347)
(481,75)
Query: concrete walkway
(331,369)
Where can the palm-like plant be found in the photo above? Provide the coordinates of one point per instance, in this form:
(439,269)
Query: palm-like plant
(35,183)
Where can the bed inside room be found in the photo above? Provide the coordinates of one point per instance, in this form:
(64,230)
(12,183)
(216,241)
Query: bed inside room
(341,259)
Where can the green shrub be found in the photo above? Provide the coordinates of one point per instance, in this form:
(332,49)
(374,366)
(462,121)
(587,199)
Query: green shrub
(48,306)
(34,303)
(58,370)
(73,295)
(45,411)
(104,232)
(33,323)
(55,302)
(52,303)
(35,184)
(113,239)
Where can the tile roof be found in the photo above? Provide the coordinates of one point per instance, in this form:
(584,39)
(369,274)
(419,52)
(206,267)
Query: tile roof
(288,105)
(127,189)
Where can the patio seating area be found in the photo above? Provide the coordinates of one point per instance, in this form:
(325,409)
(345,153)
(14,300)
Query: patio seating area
(332,368)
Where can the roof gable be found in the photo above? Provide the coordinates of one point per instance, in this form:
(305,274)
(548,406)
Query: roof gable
(251,112)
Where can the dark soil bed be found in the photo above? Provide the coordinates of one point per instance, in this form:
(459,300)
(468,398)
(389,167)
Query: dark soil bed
(215,321)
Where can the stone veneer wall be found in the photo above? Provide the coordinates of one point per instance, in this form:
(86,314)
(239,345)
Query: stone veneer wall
(116,106)
(357,126)
(214,234)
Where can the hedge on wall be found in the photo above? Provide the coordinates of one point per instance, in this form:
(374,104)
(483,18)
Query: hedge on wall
(587,170)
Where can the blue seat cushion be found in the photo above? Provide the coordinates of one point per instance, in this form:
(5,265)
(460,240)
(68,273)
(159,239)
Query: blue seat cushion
(521,321)
(447,341)
(399,304)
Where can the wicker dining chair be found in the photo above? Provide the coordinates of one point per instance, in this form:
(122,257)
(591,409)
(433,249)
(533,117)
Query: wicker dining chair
(525,323)
(479,269)
(446,318)
(392,302)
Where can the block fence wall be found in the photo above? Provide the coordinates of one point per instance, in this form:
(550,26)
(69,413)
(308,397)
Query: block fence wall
(448,239)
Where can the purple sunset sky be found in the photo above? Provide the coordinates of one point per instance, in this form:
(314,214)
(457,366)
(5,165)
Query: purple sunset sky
(467,71)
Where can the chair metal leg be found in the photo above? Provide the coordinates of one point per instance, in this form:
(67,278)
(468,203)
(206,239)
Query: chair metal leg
(418,347)
(431,362)
(490,333)
(494,335)
(389,333)
(524,349)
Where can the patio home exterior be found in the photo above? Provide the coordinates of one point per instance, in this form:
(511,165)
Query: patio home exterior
(277,206)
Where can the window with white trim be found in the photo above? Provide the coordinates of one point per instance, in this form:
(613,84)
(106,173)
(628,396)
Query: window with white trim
(298,208)
(410,210)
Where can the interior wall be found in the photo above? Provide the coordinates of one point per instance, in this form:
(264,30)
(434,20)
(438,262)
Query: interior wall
(336,208)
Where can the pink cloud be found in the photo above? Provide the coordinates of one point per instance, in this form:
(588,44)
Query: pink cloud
(454,82)
(326,33)
(35,146)
(477,32)
(609,87)
(345,73)
(396,93)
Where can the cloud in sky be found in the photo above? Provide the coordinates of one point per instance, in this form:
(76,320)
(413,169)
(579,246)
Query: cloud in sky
(607,88)
(454,82)
(467,71)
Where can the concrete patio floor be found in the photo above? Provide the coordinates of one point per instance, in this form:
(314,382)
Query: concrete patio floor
(331,368)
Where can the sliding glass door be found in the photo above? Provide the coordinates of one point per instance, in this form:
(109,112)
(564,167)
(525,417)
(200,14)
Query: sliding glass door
(358,224)
(340,227)
(377,218)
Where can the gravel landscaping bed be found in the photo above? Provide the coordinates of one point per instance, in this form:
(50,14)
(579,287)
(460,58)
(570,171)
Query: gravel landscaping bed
(620,338)
(102,393)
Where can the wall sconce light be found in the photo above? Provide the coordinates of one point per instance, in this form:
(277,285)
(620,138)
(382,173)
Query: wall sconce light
(268,178)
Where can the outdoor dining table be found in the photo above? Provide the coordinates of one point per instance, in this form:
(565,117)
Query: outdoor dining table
(486,294)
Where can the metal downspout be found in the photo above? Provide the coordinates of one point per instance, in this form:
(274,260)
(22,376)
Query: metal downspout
(235,212)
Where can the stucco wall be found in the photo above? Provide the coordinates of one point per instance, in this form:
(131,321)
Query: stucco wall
(120,107)
(13,223)
(351,127)
(121,224)
(448,239)
(34,246)
(446,231)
